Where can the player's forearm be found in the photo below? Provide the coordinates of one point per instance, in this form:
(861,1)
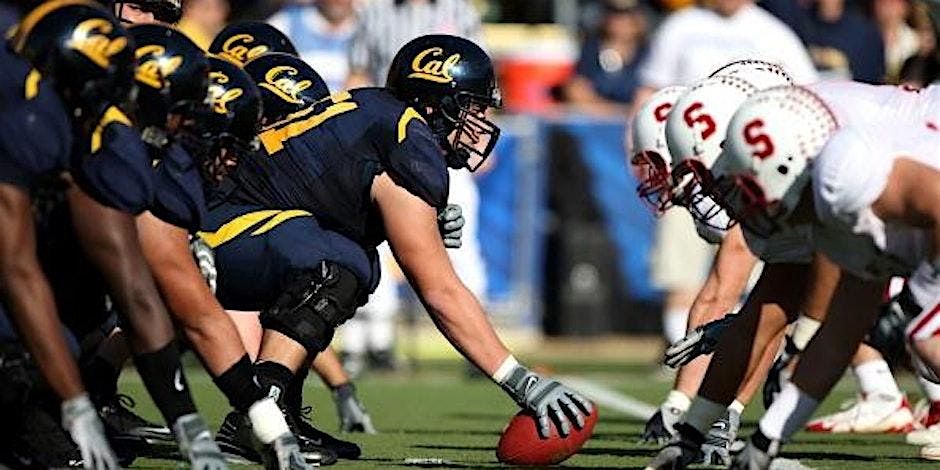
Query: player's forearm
(726,282)
(462,320)
(33,310)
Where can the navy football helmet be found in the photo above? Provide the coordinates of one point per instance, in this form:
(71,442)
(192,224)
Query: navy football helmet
(234,119)
(287,85)
(246,40)
(451,82)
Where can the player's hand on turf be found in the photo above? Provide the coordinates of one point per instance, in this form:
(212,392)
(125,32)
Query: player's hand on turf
(887,336)
(205,258)
(450,222)
(197,445)
(702,340)
(81,421)
(550,400)
(352,414)
(284,454)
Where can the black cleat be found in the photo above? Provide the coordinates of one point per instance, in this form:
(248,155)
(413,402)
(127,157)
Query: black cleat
(304,429)
(238,443)
(116,413)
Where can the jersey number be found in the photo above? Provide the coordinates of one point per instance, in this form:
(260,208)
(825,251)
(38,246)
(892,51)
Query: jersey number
(693,115)
(761,142)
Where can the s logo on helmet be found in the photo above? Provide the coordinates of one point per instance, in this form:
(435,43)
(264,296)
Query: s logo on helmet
(90,38)
(435,69)
(220,96)
(278,81)
(152,71)
(238,47)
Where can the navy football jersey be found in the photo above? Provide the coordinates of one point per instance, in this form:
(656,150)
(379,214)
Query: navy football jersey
(179,199)
(35,131)
(116,169)
(324,159)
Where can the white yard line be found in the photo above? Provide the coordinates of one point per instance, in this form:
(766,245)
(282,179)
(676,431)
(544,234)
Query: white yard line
(610,398)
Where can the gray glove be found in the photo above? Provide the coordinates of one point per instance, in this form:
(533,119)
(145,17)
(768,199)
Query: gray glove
(548,399)
(81,421)
(699,342)
(450,222)
(284,454)
(196,444)
(352,414)
(205,258)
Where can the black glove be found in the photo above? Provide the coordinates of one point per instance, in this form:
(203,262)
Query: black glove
(887,336)
(700,341)
(774,382)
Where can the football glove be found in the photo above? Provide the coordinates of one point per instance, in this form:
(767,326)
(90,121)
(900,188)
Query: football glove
(548,399)
(284,454)
(205,258)
(81,420)
(776,376)
(887,336)
(702,340)
(352,414)
(450,222)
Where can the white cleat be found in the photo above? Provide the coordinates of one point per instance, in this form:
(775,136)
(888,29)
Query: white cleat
(924,437)
(875,414)
(930,452)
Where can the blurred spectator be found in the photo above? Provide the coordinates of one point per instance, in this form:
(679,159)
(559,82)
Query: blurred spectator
(203,19)
(688,46)
(322,31)
(900,39)
(843,43)
(386,25)
(606,74)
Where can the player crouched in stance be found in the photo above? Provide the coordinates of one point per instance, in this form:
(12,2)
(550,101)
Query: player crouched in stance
(875,202)
(370,165)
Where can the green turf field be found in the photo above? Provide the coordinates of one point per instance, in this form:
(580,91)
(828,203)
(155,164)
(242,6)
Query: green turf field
(438,413)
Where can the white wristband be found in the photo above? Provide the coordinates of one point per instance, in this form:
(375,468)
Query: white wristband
(504,369)
(267,422)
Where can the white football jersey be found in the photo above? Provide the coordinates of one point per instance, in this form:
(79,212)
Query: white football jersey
(848,176)
(860,104)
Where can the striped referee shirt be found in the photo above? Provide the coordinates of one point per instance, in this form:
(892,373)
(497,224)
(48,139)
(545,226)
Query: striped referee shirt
(386,25)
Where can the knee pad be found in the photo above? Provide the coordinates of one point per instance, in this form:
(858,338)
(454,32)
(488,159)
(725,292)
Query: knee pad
(313,304)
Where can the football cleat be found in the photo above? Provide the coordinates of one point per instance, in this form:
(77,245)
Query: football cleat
(303,427)
(924,437)
(751,458)
(116,413)
(873,414)
(239,445)
(679,453)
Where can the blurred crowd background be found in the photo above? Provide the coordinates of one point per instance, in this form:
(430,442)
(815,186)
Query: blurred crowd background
(557,240)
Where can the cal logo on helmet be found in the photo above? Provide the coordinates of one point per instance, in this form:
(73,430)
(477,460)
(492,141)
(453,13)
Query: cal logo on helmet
(278,80)
(430,64)
(221,96)
(90,38)
(152,70)
(240,48)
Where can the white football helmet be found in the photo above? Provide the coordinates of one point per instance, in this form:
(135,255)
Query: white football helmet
(760,73)
(646,146)
(772,141)
(695,131)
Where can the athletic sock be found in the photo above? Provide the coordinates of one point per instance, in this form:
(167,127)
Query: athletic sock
(788,414)
(162,374)
(804,328)
(100,378)
(675,321)
(240,385)
(702,413)
(736,407)
(294,399)
(678,400)
(274,379)
(874,378)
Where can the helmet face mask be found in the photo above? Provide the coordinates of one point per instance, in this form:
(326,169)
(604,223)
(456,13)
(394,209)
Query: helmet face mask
(651,161)
(163,11)
(654,187)
(473,136)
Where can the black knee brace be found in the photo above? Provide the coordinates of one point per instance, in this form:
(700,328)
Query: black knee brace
(313,304)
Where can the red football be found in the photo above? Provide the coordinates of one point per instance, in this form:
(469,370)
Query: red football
(520,443)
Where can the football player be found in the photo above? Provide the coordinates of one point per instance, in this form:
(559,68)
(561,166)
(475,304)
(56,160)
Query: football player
(874,224)
(370,165)
(241,43)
